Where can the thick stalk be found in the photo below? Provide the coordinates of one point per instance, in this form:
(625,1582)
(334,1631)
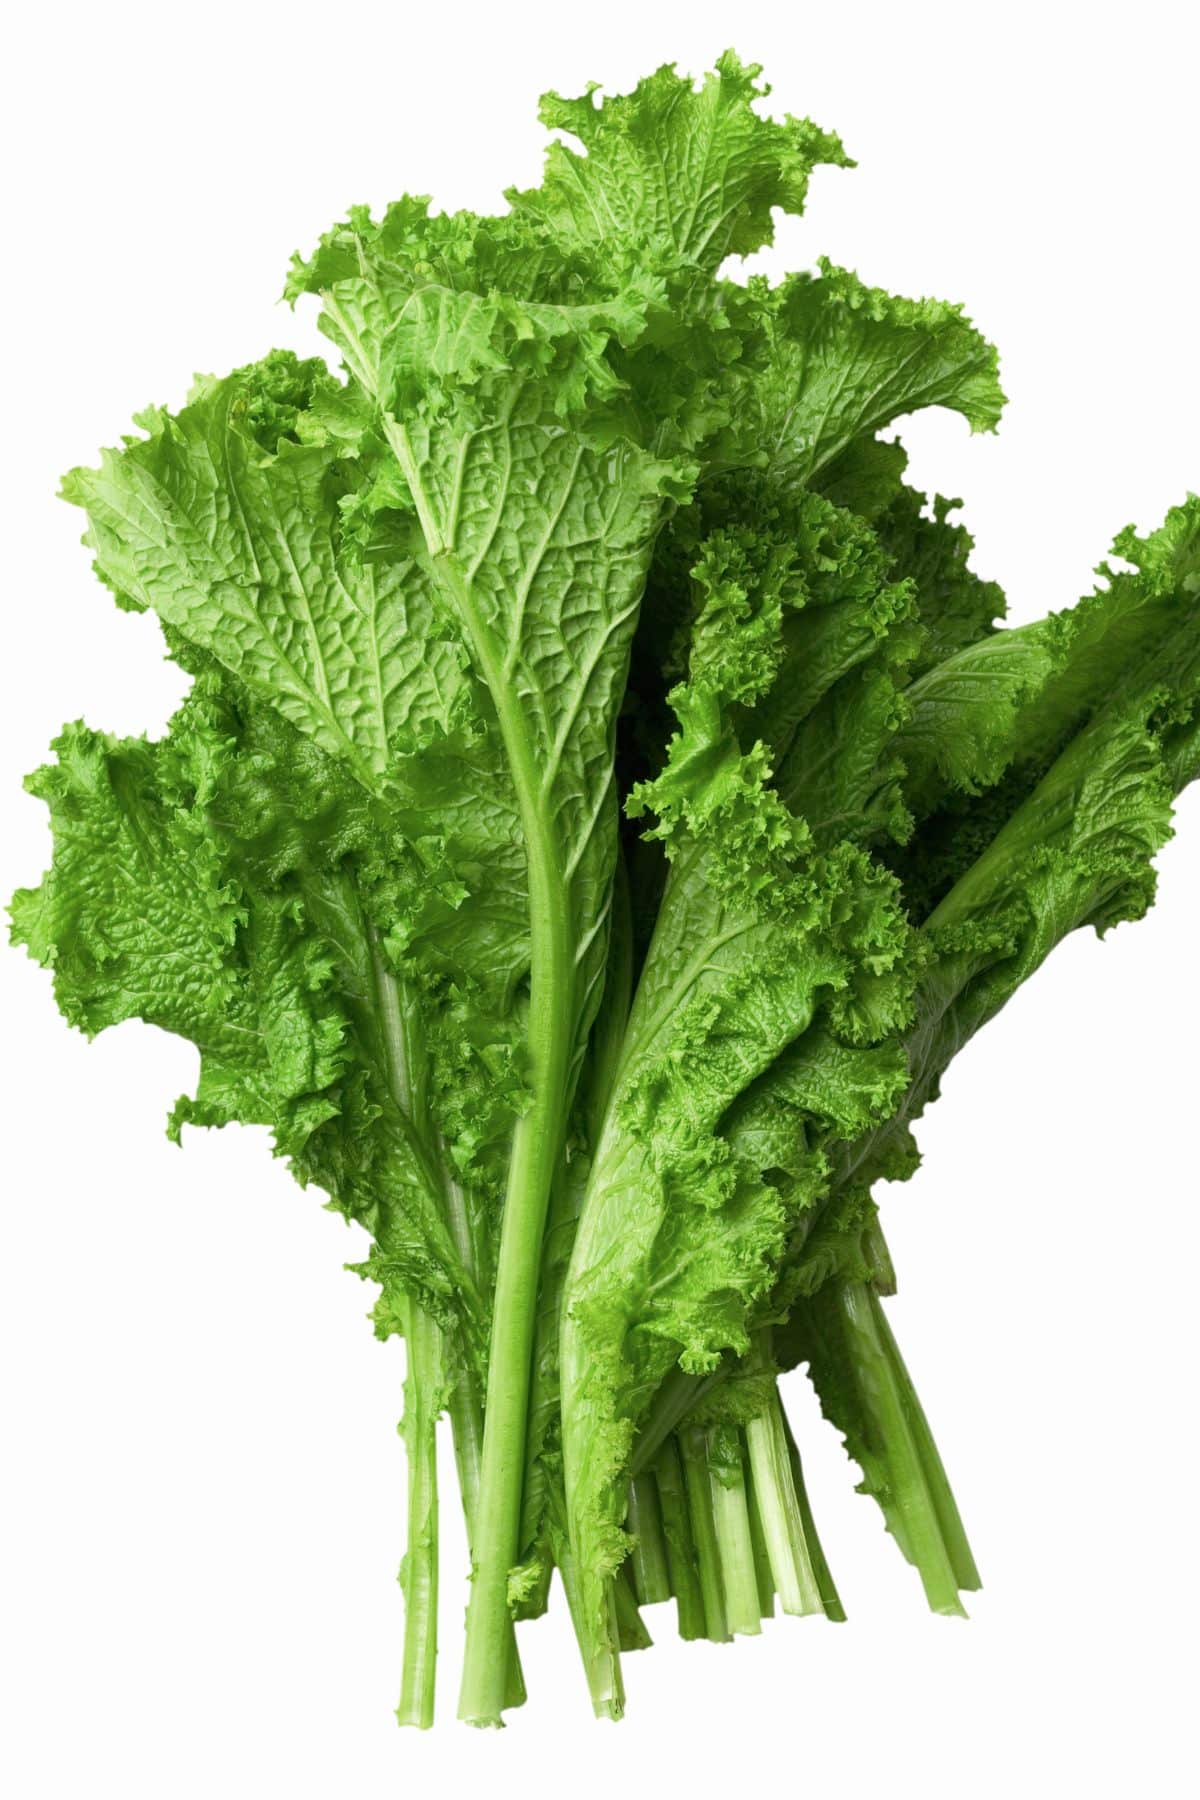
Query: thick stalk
(731,1522)
(681,1550)
(870,1408)
(762,1560)
(419,1570)
(465,1407)
(595,1086)
(536,1148)
(466,1426)
(648,1558)
(535,1153)
(779,1511)
(946,1507)
(826,1586)
(693,1452)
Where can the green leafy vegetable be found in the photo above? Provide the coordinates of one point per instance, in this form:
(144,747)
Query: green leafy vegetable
(604,803)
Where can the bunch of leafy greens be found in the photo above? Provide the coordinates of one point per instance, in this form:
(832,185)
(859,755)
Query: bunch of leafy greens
(603,805)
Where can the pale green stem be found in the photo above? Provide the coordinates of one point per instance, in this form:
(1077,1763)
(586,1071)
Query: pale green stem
(944,1504)
(677,1533)
(779,1511)
(830,1599)
(536,1148)
(880,1433)
(648,1558)
(419,1571)
(693,1452)
(762,1560)
(731,1522)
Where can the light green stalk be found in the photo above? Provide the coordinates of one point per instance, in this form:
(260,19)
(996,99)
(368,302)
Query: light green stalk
(779,1511)
(648,1558)
(693,1452)
(535,1153)
(604,1049)
(677,1533)
(419,1570)
(762,1560)
(731,1522)
(830,1598)
(872,1405)
(536,1149)
(945,1506)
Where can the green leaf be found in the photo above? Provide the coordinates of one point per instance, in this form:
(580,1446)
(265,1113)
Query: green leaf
(1010,700)
(260,948)
(760,936)
(829,361)
(237,545)
(956,608)
(1075,844)
(678,173)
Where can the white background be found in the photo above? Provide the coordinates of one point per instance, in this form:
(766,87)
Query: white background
(203,1499)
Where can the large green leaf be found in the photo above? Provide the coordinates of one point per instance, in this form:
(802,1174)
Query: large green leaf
(229,528)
